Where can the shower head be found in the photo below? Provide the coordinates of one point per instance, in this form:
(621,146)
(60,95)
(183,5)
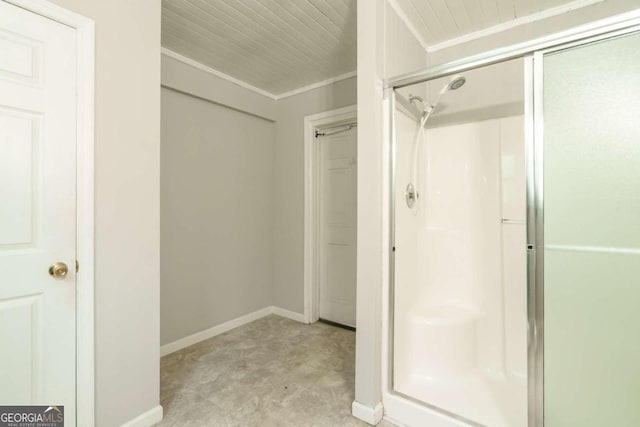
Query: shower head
(456,83)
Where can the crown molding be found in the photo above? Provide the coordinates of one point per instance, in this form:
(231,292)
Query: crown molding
(504,26)
(202,67)
(317,85)
(495,29)
(507,25)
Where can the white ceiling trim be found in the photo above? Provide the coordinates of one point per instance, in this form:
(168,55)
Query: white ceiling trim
(317,85)
(538,16)
(200,66)
(503,26)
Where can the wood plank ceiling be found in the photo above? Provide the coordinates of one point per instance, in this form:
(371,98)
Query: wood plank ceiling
(282,45)
(438,21)
(274,45)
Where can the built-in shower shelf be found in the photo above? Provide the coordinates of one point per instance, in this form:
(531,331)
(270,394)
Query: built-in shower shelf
(444,341)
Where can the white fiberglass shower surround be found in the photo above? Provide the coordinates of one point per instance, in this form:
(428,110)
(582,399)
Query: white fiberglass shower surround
(460,312)
(507,308)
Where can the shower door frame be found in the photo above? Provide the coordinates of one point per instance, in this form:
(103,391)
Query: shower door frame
(532,52)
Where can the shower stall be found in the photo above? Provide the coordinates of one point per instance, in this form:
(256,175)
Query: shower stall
(514,235)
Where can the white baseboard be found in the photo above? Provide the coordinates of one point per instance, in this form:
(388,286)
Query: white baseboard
(366,413)
(288,314)
(227,326)
(146,419)
(212,332)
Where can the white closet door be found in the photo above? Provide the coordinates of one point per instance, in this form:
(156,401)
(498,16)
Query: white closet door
(337,225)
(37,210)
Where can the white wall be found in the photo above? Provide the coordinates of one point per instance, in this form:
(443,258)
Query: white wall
(127,231)
(216,214)
(288,161)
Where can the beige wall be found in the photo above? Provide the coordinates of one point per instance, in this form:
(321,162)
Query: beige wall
(232,197)
(185,78)
(402,52)
(385,48)
(127,148)
(216,214)
(371,46)
(288,160)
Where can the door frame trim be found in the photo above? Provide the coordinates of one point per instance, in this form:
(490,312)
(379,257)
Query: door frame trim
(311,155)
(85,366)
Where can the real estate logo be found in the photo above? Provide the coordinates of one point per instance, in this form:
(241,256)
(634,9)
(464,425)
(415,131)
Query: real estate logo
(31,416)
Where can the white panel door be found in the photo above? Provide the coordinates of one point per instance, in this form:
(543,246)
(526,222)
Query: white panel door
(337,223)
(37,210)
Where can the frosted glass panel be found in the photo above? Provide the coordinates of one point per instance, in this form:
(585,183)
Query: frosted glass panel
(592,145)
(592,235)
(592,374)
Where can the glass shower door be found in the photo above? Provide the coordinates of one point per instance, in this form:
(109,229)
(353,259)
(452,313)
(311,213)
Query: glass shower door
(459,306)
(591,145)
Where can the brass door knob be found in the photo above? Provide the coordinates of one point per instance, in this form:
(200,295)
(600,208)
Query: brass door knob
(58,270)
